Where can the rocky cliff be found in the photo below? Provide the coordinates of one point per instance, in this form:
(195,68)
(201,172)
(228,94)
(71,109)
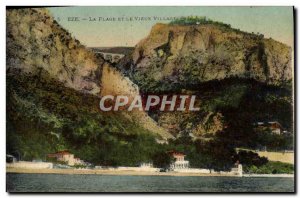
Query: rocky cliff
(190,54)
(115,83)
(36,41)
(221,65)
(54,85)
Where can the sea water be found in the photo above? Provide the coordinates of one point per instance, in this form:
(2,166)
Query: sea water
(113,183)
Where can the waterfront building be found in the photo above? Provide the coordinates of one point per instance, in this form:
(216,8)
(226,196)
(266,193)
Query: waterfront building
(146,165)
(180,162)
(66,156)
(10,159)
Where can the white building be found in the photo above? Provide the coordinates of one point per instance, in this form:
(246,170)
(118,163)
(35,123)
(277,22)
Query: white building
(146,165)
(179,162)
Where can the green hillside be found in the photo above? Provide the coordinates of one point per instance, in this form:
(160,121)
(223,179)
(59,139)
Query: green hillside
(43,116)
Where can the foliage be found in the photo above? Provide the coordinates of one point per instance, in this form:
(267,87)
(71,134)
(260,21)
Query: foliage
(249,158)
(215,154)
(212,154)
(242,103)
(197,20)
(274,142)
(43,117)
(79,166)
(252,163)
(271,168)
(218,154)
(162,159)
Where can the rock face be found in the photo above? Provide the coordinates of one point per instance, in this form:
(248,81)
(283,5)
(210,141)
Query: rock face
(114,83)
(200,53)
(180,58)
(36,41)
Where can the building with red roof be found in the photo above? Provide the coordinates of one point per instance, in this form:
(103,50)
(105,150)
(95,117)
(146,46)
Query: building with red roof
(180,162)
(66,156)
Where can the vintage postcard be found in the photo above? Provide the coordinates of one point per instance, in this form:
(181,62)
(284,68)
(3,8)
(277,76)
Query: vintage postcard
(150,99)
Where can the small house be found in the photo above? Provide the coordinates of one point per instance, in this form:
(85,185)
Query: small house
(274,126)
(180,162)
(66,156)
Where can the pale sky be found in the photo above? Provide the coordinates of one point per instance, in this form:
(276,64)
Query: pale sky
(275,22)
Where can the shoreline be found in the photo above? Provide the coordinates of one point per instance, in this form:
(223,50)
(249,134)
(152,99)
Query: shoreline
(133,173)
(108,172)
(270,175)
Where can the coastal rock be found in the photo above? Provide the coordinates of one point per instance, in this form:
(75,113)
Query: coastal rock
(199,53)
(36,41)
(183,58)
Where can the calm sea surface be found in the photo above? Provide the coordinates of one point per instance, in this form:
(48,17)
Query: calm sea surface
(105,183)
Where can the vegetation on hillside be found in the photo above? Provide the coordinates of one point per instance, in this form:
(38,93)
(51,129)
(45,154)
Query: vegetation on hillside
(203,20)
(254,164)
(219,155)
(43,117)
(271,168)
(242,103)
(196,20)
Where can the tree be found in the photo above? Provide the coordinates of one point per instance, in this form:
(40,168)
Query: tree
(249,158)
(162,159)
(215,154)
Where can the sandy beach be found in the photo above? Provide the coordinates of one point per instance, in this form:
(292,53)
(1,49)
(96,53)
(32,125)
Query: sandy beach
(137,173)
(108,172)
